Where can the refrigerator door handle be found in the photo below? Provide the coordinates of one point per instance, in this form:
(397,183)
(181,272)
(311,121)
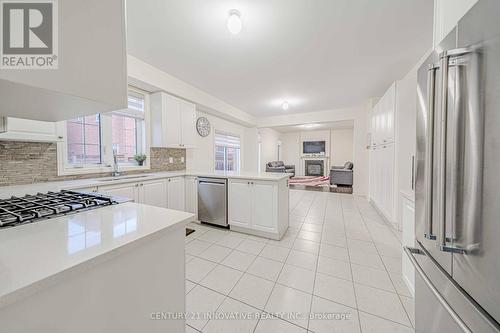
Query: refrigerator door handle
(431,90)
(474,120)
(410,252)
(441,182)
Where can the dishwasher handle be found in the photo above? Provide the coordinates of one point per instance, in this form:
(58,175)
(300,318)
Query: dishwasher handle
(211,183)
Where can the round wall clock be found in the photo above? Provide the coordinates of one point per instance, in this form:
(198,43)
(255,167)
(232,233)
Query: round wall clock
(203,126)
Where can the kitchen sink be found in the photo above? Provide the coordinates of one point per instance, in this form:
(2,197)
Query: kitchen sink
(122,178)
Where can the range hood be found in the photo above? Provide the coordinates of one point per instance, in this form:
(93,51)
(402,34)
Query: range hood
(91,74)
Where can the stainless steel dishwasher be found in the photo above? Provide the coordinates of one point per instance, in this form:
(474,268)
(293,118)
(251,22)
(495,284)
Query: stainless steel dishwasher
(212,201)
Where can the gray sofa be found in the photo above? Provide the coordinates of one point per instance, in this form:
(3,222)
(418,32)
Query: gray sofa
(342,175)
(279,166)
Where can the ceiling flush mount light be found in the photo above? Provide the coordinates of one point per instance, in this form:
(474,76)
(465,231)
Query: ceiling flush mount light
(308,126)
(285,106)
(234,24)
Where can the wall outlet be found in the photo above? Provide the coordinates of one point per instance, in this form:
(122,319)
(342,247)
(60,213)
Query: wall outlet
(170,160)
(182,159)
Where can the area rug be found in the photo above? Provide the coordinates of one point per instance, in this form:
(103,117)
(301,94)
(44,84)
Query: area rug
(317,184)
(310,181)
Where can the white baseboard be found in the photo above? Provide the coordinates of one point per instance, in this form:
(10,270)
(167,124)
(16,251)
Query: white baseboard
(410,286)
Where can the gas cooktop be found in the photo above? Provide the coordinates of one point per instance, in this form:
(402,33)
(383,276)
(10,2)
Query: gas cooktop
(30,208)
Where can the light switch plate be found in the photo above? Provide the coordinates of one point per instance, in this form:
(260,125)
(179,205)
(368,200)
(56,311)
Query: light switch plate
(182,159)
(170,160)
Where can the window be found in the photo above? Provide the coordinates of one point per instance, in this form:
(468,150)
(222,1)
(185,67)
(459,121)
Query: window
(227,152)
(127,129)
(84,140)
(90,140)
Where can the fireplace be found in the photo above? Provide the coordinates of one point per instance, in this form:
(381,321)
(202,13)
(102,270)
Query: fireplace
(315,168)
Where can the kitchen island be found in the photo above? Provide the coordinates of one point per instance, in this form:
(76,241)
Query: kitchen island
(111,269)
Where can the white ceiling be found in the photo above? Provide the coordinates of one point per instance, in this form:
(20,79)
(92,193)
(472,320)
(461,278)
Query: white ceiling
(316,54)
(345,124)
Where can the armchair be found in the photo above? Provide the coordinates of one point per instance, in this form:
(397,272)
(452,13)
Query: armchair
(279,166)
(342,175)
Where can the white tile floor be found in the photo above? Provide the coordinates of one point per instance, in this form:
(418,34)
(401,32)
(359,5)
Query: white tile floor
(338,256)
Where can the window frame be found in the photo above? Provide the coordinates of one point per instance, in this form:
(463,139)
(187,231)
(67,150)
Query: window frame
(64,168)
(225,151)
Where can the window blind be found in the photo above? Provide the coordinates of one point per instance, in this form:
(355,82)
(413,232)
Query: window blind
(227,140)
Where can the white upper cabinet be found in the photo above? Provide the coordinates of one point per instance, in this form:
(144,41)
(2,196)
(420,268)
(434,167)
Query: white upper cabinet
(28,130)
(447,13)
(173,122)
(92,67)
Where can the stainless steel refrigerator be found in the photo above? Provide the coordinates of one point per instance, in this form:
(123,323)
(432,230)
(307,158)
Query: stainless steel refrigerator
(457,252)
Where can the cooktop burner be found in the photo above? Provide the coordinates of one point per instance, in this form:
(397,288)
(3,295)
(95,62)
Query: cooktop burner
(30,208)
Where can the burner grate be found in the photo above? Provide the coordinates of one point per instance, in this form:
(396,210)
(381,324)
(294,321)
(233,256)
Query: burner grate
(30,208)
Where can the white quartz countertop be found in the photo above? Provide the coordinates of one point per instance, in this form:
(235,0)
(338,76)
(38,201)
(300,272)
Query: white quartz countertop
(272,176)
(34,254)
(20,190)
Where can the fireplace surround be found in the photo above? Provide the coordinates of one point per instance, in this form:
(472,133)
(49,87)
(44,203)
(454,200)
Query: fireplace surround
(314,168)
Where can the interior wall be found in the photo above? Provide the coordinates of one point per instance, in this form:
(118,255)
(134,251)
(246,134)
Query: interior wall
(322,135)
(269,140)
(202,158)
(291,146)
(361,153)
(358,114)
(250,154)
(341,146)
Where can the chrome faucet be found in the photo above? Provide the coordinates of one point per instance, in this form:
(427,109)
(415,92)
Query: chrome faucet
(116,172)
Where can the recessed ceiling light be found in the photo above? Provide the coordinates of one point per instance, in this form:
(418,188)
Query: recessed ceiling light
(234,24)
(285,105)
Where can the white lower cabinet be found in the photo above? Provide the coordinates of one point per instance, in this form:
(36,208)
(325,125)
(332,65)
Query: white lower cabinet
(153,193)
(240,203)
(253,206)
(128,190)
(176,193)
(166,193)
(408,221)
(265,206)
(191,203)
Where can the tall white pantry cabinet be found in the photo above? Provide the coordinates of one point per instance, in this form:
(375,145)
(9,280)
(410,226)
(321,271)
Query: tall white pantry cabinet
(382,154)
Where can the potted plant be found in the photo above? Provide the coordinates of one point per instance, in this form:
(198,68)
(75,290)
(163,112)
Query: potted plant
(140,158)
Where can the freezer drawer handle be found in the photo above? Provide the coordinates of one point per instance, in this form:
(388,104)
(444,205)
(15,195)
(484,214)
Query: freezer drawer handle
(410,252)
